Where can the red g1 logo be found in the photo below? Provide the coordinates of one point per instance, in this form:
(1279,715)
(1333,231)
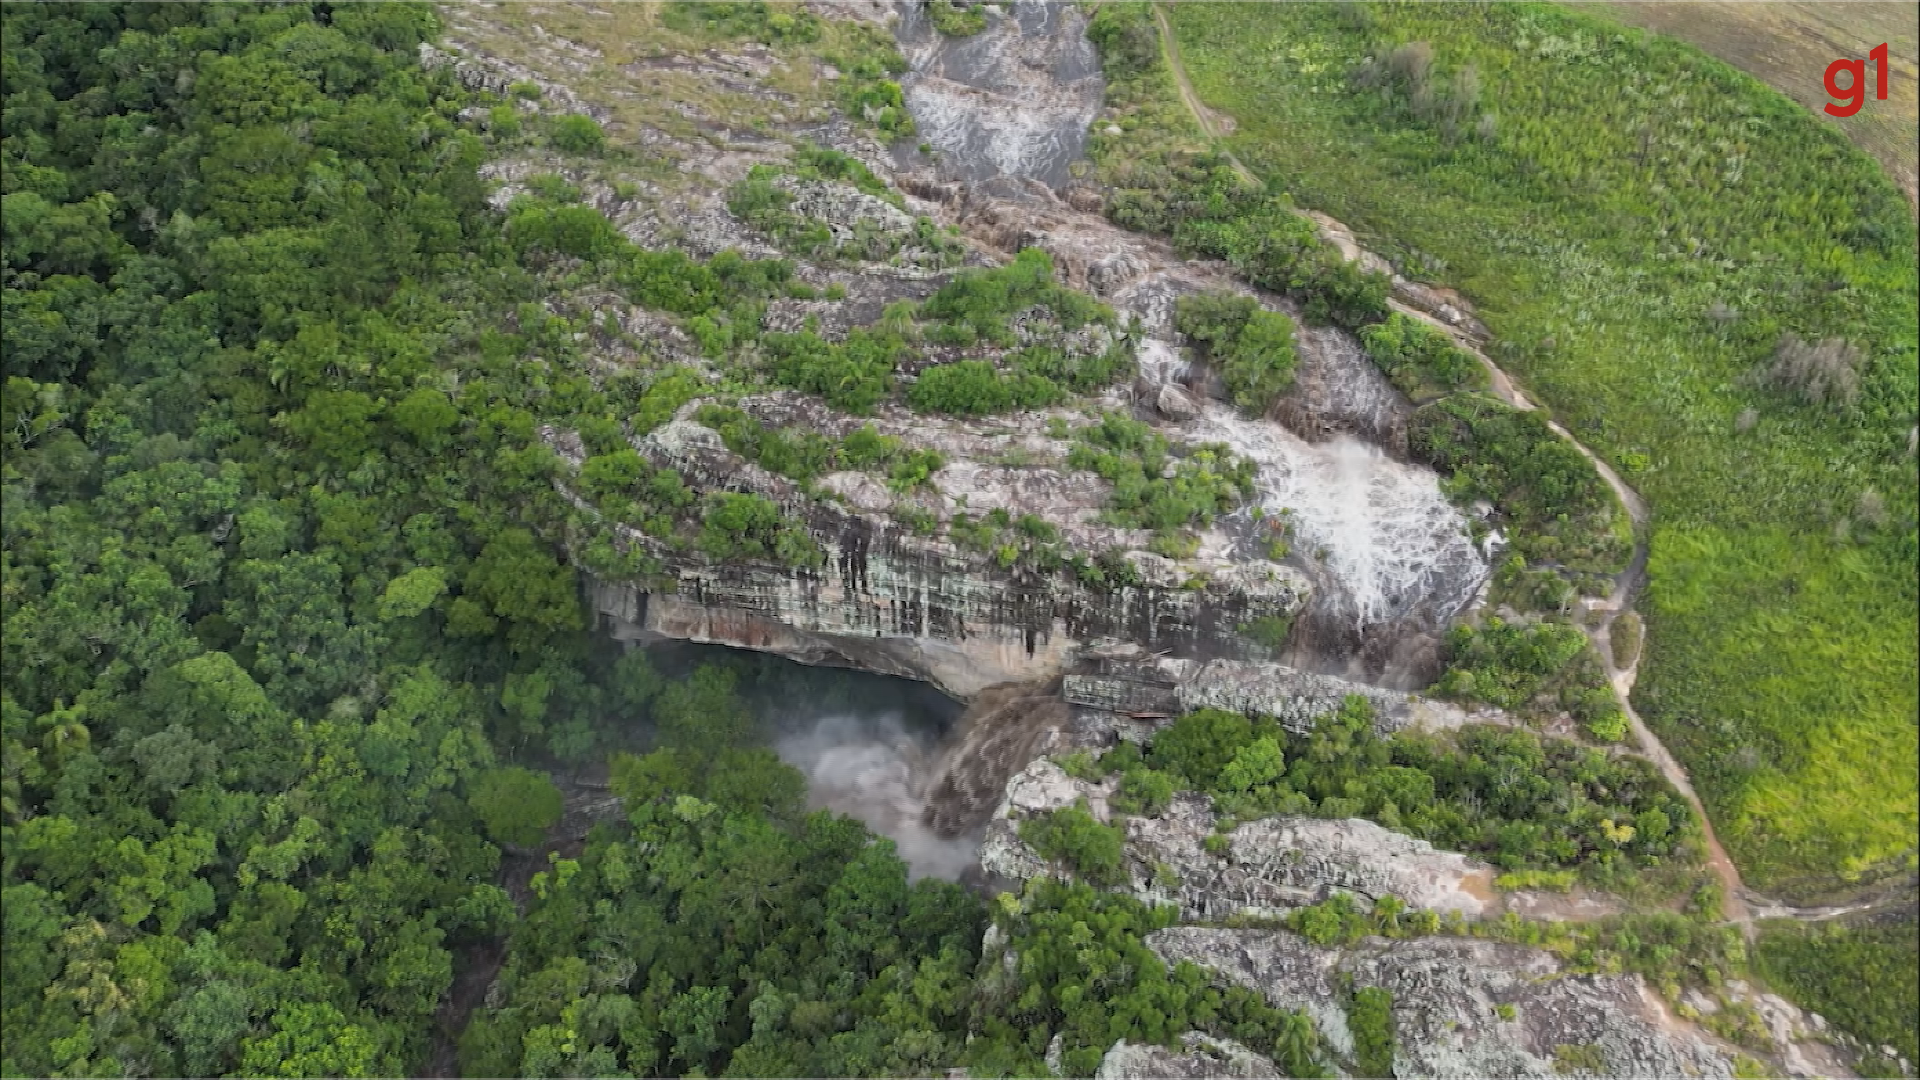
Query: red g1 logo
(1848,99)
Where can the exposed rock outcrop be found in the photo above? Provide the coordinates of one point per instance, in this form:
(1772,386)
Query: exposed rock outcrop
(1202,1057)
(1269,865)
(1464,1007)
(1128,680)
(891,601)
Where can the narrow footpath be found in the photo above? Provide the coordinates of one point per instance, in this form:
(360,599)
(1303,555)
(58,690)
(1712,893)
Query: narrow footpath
(1734,904)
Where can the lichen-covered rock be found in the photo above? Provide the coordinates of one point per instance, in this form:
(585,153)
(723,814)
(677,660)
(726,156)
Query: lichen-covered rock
(840,207)
(1202,1056)
(1295,698)
(1463,1007)
(1268,867)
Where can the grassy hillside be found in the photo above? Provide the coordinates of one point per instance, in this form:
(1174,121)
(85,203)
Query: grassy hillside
(1641,226)
(1867,974)
(1788,44)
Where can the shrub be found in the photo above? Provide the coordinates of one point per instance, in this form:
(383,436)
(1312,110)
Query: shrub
(1252,348)
(756,19)
(957,18)
(1143,791)
(1371,1021)
(1506,664)
(663,397)
(866,447)
(1610,725)
(797,455)
(750,527)
(1071,836)
(867,93)
(977,303)
(503,121)
(1624,638)
(580,231)
(914,468)
(1421,361)
(1133,458)
(1560,508)
(1863,978)
(577,134)
(976,388)
(852,375)
(1503,794)
(1826,373)
(1197,747)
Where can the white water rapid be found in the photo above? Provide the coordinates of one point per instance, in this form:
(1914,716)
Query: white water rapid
(865,767)
(1379,530)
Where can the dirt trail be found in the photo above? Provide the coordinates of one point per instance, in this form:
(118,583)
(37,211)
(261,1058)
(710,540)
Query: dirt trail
(1215,125)
(1733,904)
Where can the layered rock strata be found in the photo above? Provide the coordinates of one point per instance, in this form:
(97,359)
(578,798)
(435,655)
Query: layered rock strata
(891,601)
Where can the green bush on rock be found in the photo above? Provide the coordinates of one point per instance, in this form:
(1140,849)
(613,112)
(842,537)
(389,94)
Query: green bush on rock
(1252,347)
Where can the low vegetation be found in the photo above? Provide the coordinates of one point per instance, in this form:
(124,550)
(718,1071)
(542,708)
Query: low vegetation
(1866,979)
(957,18)
(1509,796)
(1252,348)
(1071,939)
(1672,949)
(1642,228)
(1532,669)
(804,456)
(1423,363)
(751,528)
(1154,490)
(1557,507)
(1028,542)
(1091,851)
(764,198)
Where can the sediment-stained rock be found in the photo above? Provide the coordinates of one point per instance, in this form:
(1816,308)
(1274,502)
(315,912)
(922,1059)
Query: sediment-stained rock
(1202,1056)
(891,601)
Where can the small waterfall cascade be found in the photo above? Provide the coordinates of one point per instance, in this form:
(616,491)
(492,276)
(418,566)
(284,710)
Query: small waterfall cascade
(931,796)
(1338,389)
(1390,553)
(1007,110)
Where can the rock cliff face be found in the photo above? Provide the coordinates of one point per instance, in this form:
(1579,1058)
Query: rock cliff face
(890,601)
(1464,1007)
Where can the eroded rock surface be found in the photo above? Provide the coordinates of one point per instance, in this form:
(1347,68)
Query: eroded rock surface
(1464,1007)
(1201,1056)
(1270,865)
(1127,679)
(891,601)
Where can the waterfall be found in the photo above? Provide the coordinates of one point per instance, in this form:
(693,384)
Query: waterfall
(870,768)
(1391,556)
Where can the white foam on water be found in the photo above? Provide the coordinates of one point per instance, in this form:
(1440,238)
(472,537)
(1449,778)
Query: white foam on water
(863,767)
(1391,541)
